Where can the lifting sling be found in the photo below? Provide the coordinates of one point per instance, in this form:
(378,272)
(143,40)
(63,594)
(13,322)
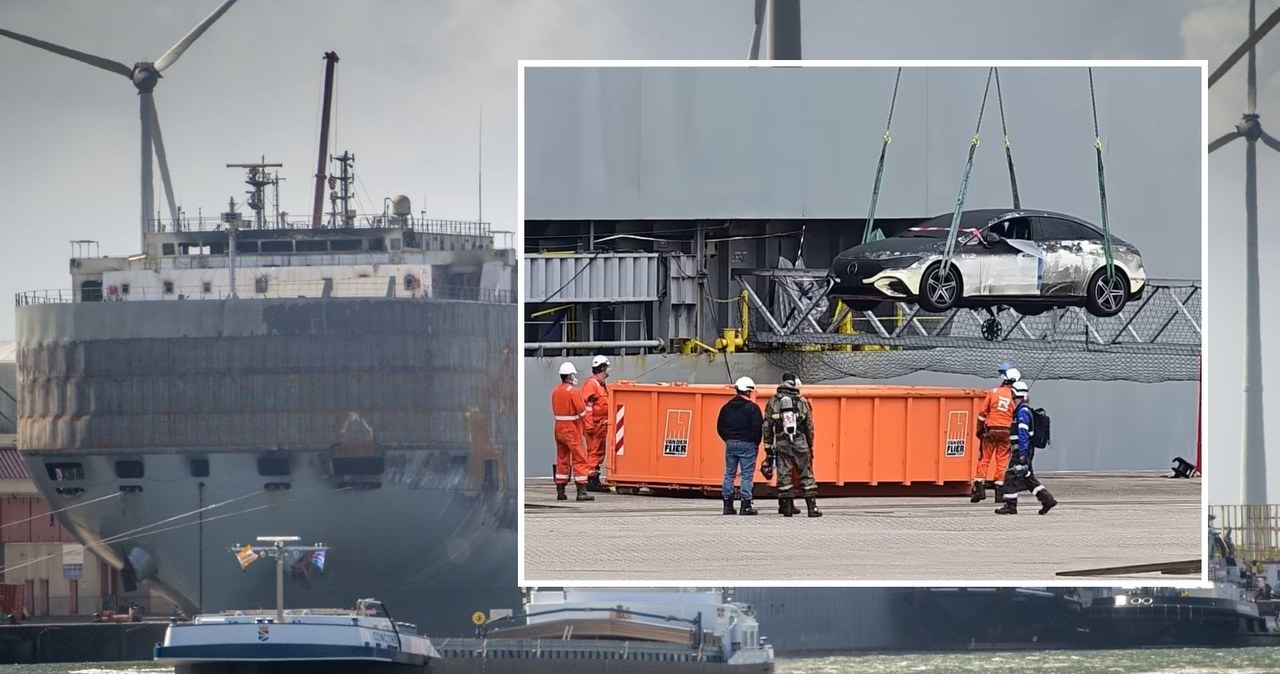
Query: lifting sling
(1008,150)
(1102,184)
(875,191)
(964,184)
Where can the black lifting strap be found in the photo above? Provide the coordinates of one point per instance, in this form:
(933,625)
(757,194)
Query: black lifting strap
(875,190)
(1008,149)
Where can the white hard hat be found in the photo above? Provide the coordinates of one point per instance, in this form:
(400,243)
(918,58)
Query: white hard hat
(1020,389)
(1012,374)
(598,361)
(744,384)
(567,368)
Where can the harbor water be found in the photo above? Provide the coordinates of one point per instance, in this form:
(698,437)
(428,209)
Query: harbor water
(1147,661)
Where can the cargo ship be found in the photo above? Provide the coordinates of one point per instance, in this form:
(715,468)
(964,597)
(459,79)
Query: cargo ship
(1235,612)
(248,374)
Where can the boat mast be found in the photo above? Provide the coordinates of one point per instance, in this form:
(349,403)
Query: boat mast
(317,207)
(278,551)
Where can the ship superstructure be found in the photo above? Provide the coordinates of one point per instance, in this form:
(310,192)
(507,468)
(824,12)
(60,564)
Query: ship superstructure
(348,381)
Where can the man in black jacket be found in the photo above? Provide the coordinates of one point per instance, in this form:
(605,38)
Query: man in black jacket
(740,425)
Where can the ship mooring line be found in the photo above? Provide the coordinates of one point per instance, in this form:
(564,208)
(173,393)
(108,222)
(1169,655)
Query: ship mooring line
(59,510)
(132,533)
(114,539)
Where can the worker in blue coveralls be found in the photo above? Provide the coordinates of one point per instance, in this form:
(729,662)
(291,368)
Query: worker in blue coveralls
(1018,477)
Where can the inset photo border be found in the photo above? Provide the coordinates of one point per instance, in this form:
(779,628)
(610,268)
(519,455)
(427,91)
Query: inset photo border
(886,296)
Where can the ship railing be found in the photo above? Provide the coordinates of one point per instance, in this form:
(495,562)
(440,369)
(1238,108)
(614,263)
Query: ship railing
(1254,530)
(273,289)
(420,223)
(570,649)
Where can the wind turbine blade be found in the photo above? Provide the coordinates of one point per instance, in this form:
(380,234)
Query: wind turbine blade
(1245,46)
(177,49)
(106,64)
(1223,140)
(164,162)
(1270,141)
(755,36)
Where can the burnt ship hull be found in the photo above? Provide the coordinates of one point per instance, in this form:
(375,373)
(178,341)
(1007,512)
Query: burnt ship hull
(994,618)
(1164,622)
(382,427)
(817,621)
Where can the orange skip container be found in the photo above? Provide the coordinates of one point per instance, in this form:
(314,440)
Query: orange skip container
(878,440)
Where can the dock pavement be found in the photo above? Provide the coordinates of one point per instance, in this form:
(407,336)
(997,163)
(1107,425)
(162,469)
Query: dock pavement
(1103,520)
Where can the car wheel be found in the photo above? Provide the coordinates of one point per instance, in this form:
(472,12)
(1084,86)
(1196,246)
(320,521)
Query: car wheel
(938,291)
(1107,294)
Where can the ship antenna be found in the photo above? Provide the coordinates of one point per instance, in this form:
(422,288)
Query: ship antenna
(480,167)
(343,181)
(258,179)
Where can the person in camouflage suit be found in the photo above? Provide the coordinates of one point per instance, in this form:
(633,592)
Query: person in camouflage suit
(788,445)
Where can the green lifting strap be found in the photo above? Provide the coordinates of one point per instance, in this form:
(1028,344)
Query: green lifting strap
(1102,183)
(964,182)
(875,191)
(1008,149)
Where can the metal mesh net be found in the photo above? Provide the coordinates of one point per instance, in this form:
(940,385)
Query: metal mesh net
(1154,339)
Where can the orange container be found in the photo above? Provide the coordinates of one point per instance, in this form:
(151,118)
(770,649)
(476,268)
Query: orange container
(882,440)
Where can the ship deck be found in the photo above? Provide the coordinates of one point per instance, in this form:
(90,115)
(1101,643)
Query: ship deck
(1102,520)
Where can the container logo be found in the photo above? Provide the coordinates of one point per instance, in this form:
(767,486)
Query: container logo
(957,433)
(675,439)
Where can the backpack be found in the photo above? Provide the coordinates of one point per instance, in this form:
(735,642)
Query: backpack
(1040,428)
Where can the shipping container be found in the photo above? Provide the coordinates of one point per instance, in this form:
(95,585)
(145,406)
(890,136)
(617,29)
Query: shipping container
(880,440)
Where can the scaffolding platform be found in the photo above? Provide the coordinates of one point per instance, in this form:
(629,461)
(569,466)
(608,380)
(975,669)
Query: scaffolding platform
(1155,338)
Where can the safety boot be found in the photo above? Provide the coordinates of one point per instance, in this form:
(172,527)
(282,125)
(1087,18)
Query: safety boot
(728,506)
(1010,507)
(1047,500)
(583,495)
(560,495)
(999,489)
(786,506)
(594,484)
(979,492)
(747,509)
(812,503)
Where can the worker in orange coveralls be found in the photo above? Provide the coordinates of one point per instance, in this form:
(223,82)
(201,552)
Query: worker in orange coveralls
(994,422)
(596,395)
(568,409)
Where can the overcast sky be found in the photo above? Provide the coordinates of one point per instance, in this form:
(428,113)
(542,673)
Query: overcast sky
(414,75)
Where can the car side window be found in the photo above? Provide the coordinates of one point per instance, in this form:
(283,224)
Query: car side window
(1084,233)
(1053,229)
(1017,228)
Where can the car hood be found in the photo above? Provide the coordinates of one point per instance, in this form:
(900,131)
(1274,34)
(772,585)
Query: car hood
(894,247)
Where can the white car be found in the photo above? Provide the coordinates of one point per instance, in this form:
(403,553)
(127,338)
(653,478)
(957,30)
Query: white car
(1031,261)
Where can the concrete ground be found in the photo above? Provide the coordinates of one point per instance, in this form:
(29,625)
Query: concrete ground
(1102,520)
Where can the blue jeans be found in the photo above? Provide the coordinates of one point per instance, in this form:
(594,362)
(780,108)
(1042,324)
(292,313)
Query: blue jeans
(739,454)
